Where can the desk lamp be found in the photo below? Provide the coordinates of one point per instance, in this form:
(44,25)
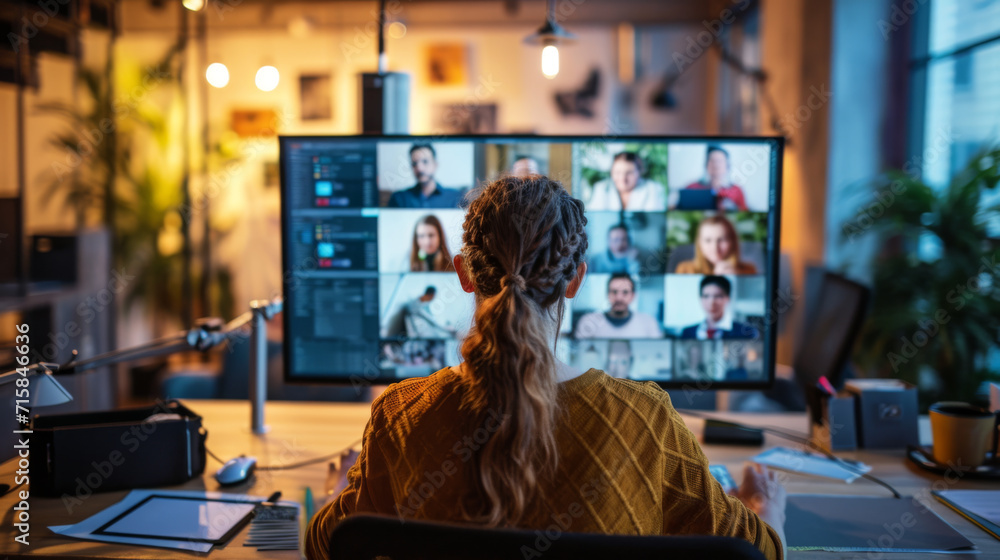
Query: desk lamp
(207,333)
(43,389)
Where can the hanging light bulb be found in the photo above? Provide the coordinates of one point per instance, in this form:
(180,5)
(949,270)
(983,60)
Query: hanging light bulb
(550,61)
(267,78)
(549,35)
(217,74)
(193,5)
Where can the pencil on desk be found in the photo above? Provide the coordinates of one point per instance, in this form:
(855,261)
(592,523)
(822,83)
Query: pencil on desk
(309,506)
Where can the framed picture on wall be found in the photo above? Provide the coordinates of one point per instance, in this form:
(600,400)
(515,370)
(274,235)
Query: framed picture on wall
(464,118)
(316,96)
(254,122)
(447,64)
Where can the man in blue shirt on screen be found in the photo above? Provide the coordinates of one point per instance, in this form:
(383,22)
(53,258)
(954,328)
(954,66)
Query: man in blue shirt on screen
(714,293)
(427,193)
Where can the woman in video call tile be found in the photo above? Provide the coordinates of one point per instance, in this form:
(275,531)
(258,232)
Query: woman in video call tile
(729,196)
(429,252)
(619,321)
(626,189)
(714,293)
(716,250)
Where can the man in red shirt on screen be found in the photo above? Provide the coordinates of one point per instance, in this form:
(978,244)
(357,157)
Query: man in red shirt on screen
(729,196)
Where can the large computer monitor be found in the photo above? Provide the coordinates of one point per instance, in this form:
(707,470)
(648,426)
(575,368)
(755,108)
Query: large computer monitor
(682,267)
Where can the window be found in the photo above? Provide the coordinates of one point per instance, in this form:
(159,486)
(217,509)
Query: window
(955,84)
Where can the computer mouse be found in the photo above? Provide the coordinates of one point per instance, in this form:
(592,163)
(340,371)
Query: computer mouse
(236,470)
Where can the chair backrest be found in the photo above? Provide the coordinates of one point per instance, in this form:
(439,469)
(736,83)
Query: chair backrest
(365,537)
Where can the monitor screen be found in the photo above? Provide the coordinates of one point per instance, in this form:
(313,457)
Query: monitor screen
(682,258)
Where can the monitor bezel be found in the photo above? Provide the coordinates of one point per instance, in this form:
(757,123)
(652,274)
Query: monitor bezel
(773,245)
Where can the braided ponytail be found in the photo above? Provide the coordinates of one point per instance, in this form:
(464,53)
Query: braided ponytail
(523,242)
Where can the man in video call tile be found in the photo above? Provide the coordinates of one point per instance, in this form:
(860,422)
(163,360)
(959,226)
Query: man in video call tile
(620,256)
(619,321)
(427,193)
(715,292)
(717,166)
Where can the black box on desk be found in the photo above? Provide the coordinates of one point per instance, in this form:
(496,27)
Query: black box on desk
(109,450)
(885,413)
(832,421)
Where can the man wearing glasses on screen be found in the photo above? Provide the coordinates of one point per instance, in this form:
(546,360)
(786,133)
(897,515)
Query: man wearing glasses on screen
(715,292)
(427,193)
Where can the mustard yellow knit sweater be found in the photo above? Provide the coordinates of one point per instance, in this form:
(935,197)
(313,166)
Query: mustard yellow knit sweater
(627,465)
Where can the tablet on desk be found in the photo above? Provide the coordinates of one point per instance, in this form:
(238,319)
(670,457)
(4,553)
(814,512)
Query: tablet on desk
(204,520)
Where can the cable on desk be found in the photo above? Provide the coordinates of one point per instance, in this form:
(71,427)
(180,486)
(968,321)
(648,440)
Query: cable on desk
(298,465)
(801,438)
(214,456)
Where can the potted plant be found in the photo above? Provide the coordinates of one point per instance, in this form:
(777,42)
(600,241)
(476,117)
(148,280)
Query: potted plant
(936,280)
(130,178)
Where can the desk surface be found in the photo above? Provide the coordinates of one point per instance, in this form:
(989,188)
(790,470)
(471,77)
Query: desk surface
(301,431)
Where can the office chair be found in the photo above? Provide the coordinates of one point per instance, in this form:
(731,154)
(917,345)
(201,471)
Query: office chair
(835,311)
(365,537)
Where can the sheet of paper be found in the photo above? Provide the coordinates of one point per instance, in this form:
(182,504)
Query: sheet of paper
(85,529)
(984,503)
(794,460)
(868,524)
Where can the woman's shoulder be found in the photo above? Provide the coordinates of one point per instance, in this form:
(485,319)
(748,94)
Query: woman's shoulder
(414,394)
(642,396)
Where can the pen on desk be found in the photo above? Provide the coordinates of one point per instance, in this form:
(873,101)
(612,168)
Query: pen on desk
(274,497)
(825,385)
(308,503)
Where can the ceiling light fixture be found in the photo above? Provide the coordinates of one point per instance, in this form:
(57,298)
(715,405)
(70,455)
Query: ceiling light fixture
(549,36)
(217,74)
(267,78)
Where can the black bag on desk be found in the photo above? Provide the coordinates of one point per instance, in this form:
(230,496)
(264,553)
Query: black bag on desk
(78,454)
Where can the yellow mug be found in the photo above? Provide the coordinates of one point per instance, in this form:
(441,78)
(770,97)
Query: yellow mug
(963,433)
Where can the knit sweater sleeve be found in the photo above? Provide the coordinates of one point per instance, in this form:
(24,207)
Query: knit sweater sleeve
(368,491)
(695,503)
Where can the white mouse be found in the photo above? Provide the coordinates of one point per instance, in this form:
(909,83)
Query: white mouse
(236,470)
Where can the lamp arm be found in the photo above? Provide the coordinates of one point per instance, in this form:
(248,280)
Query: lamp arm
(11,376)
(203,337)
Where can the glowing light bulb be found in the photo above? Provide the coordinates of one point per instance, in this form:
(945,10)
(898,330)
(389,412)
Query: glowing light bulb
(194,5)
(217,74)
(550,61)
(267,78)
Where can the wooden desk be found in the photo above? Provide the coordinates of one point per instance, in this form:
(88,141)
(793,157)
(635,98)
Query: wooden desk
(301,431)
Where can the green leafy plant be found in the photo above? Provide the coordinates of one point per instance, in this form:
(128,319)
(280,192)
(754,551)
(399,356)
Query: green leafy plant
(936,304)
(123,169)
